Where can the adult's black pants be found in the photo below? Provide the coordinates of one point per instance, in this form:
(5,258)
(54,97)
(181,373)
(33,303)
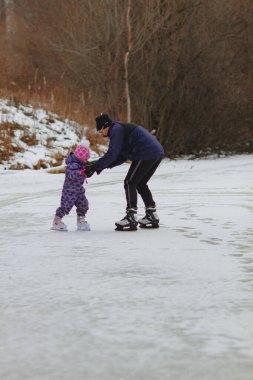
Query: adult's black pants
(136,180)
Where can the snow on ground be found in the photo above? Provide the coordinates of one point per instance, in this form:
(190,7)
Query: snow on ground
(48,137)
(173,303)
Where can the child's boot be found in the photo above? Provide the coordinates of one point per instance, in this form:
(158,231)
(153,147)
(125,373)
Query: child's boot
(58,225)
(82,225)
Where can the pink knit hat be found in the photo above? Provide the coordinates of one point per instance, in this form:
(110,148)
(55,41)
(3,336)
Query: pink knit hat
(82,151)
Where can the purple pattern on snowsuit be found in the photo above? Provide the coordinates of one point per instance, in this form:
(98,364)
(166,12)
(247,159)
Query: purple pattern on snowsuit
(73,192)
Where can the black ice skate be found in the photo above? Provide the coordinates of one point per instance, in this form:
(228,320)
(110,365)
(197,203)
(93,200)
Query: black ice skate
(150,220)
(129,222)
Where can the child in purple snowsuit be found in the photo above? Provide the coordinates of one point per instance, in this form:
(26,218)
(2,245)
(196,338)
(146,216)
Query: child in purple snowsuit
(73,192)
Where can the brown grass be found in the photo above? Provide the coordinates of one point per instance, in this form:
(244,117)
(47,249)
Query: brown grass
(65,102)
(50,142)
(18,166)
(58,159)
(29,139)
(59,170)
(95,139)
(41,164)
(7,149)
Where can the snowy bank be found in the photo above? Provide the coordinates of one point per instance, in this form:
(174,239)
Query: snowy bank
(33,138)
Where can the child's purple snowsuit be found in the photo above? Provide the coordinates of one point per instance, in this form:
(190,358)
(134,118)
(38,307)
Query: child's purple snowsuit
(73,192)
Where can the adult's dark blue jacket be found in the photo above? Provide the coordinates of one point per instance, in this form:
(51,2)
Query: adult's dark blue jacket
(129,142)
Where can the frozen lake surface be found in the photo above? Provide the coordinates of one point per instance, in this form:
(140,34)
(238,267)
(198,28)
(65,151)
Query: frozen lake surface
(173,303)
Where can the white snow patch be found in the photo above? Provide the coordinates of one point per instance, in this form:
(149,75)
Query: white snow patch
(53,135)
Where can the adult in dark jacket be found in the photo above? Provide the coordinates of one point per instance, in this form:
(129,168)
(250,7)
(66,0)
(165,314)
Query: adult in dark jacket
(135,143)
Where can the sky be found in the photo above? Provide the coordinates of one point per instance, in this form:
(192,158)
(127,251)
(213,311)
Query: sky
(175,302)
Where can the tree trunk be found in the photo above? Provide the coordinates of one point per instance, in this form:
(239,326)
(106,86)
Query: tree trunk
(126,61)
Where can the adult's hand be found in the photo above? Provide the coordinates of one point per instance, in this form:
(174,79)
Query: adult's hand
(90,168)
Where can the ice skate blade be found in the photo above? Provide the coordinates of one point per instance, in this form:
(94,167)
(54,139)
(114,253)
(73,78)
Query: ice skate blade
(86,228)
(149,226)
(120,228)
(60,230)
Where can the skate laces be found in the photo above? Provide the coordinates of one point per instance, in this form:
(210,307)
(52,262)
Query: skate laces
(131,216)
(151,214)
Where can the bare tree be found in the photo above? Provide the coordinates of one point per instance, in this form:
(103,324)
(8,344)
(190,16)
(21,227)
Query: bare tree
(126,59)
(181,67)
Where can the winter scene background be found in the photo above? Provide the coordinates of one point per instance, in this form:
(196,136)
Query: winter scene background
(148,304)
(162,304)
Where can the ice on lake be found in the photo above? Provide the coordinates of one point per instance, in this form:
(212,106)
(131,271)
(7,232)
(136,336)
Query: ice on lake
(173,303)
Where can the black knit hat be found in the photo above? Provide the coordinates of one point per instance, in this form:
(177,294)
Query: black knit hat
(103,121)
